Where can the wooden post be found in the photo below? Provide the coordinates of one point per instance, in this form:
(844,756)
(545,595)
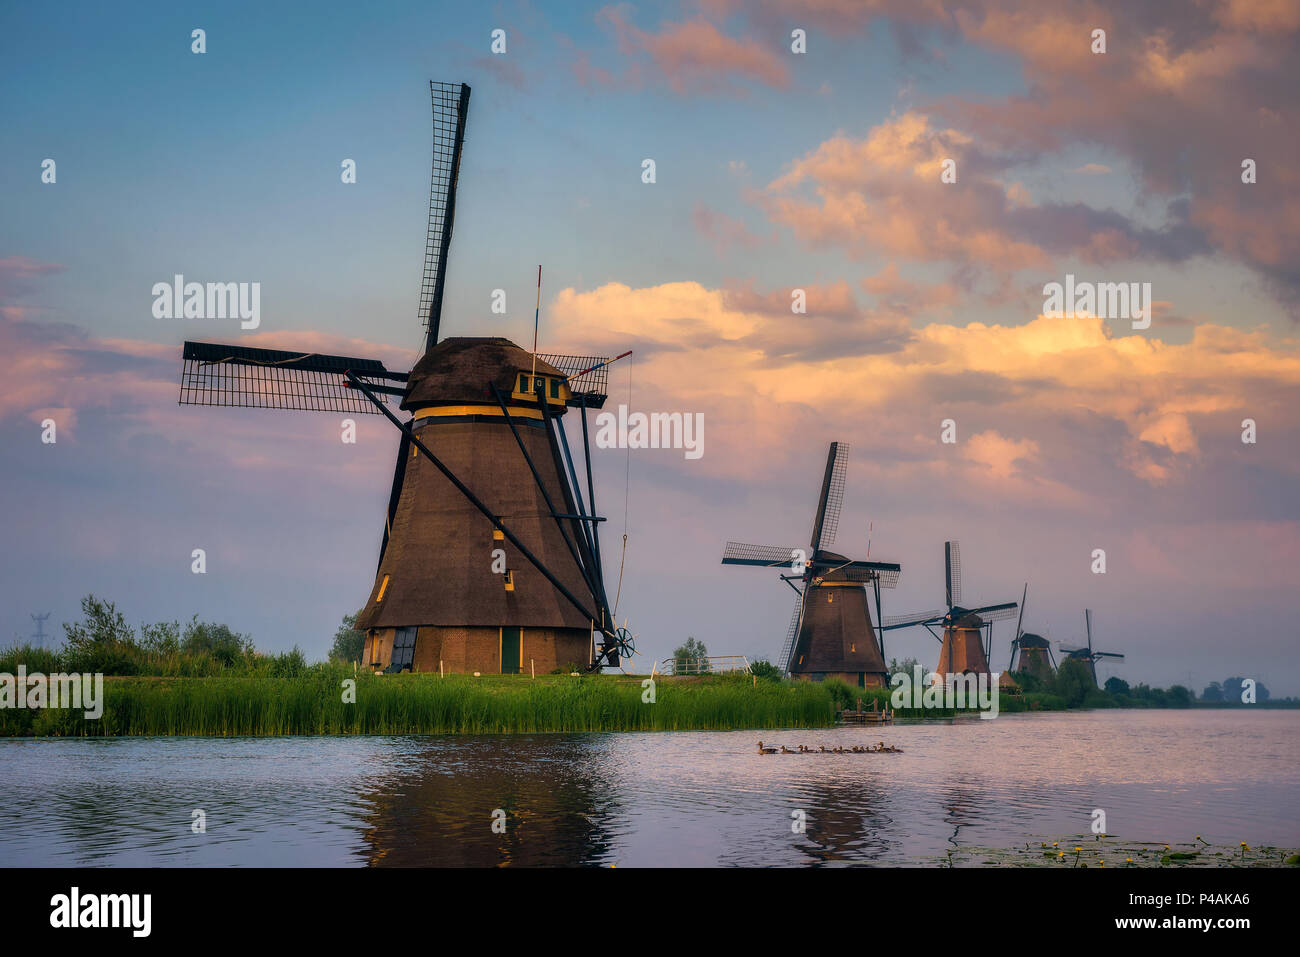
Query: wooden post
(533,668)
(440,674)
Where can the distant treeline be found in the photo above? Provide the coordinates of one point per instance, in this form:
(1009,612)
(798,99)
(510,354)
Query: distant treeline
(104,643)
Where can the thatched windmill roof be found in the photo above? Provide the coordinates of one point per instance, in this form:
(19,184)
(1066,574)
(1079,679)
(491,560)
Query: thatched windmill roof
(460,370)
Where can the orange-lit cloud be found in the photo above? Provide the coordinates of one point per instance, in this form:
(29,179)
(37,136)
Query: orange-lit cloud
(1014,390)
(690,56)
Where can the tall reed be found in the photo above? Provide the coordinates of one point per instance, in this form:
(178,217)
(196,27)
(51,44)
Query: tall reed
(426,704)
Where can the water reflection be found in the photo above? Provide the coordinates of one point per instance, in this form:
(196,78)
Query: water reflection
(440,808)
(690,798)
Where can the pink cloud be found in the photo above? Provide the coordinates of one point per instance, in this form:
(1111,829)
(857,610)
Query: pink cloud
(694,55)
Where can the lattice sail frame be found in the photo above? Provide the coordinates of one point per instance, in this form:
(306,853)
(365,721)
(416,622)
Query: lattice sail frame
(738,553)
(834,496)
(222,375)
(450,107)
(996,614)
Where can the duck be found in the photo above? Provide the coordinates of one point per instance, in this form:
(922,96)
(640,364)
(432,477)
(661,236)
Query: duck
(763,750)
(785,750)
(823,749)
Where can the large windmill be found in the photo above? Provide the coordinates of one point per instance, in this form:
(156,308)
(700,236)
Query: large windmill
(831,632)
(963,648)
(1030,653)
(490,555)
(1087,655)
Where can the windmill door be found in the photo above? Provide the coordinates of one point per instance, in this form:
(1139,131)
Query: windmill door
(511,639)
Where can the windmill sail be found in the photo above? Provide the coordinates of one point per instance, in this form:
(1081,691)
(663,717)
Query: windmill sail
(218,374)
(787,650)
(952,572)
(767,556)
(827,520)
(450,109)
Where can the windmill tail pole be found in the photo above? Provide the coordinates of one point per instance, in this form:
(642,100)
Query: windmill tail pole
(579,375)
(356,383)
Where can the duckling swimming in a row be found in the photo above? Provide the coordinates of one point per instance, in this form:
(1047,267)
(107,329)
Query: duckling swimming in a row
(880,748)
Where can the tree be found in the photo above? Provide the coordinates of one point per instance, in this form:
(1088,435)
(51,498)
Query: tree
(103,642)
(906,666)
(1073,682)
(764,669)
(104,624)
(691,658)
(225,646)
(349,644)
(1116,686)
(1212,692)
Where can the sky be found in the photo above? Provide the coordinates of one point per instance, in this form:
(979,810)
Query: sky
(775,171)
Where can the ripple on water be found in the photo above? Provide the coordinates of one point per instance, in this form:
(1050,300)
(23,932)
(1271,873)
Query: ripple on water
(695,798)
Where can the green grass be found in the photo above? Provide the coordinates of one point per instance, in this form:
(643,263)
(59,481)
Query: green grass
(427,704)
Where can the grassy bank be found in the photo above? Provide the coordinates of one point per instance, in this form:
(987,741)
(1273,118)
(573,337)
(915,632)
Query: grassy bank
(313,703)
(427,704)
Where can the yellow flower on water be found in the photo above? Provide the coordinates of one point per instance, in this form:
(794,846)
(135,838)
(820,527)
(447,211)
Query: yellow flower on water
(1078,850)
(1128,860)
(1060,853)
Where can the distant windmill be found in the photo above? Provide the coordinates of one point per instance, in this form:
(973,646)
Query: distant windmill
(831,633)
(1087,655)
(963,648)
(1030,653)
(39,637)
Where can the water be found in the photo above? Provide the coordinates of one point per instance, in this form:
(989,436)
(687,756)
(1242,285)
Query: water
(686,798)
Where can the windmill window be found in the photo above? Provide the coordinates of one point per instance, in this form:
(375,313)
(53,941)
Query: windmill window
(383,587)
(555,388)
(403,648)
